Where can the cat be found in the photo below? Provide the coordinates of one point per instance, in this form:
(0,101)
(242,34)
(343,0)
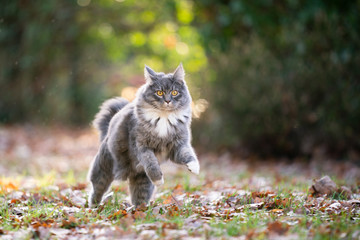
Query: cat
(136,135)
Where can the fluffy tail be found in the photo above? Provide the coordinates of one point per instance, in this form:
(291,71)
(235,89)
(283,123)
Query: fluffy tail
(107,110)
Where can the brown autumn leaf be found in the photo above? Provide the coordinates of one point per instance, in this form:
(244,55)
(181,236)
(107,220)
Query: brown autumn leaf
(262,194)
(118,214)
(142,207)
(173,210)
(15,201)
(139,215)
(66,201)
(7,186)
(170,225)
(69,223)
(178,189)
(323,186)
(278,228)
(36,224)
(167,200)
(79,186)
(276,210)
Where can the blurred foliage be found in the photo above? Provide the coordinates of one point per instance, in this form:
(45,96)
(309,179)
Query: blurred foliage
(286,77)
(60,59)
(281,77)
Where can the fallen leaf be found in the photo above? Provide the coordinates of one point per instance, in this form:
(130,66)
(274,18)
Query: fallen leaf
(15,201)
(142,207)
(170,225)
(19,211)
(118,214)
(354,202)
(277,210)
(277,227)
(256,205)
(79,186)
(71,222)
(323,186)
(139,215)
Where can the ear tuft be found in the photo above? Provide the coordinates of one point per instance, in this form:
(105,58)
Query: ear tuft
(150,75)
(179,73)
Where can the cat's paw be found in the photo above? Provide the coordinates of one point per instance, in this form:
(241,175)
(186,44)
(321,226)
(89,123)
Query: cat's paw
(194,167)
(159,182)
(93,203)
(154,173)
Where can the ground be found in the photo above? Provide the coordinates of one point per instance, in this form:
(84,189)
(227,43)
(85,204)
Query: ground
(43,194)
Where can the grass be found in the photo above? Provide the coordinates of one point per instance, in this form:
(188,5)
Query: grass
(244,199)
(285,210)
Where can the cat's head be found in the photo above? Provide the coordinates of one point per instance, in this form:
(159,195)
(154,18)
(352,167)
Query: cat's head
(166,92)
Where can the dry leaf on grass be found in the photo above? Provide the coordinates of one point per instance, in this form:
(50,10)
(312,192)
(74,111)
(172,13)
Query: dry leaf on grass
(278,228)
(325,186)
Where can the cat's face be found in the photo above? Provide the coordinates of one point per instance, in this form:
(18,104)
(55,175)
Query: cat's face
(166,92)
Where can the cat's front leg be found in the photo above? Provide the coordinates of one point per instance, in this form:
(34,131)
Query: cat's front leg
(150,164)
(185,155)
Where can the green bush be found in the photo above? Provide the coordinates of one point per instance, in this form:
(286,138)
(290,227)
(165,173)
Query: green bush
(286,77)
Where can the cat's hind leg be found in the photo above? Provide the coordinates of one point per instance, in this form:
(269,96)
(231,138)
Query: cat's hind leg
(101,175)
(141,188)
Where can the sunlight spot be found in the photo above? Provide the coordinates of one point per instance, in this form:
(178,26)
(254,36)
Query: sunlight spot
(138,39)
(129,93)
(171,27)
(198,107)
(105,30)
(182,48)
(147,17)
(83,3)
(184,12)
(170,41)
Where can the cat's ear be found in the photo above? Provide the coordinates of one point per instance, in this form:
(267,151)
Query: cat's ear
(179,73)
(150,75)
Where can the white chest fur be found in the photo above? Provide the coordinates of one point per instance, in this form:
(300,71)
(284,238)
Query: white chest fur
(164,121)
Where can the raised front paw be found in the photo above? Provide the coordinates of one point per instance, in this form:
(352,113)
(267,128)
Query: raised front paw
(153,171)
(159,182)
(194,166)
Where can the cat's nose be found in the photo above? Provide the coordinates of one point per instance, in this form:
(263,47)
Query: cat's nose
(167,101)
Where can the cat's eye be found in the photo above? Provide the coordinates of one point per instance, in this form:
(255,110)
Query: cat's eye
(160,93)
(174,92)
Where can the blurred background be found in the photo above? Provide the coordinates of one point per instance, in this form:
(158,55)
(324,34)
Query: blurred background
(268,78)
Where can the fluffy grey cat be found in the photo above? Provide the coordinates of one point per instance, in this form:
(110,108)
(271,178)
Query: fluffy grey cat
(136,135)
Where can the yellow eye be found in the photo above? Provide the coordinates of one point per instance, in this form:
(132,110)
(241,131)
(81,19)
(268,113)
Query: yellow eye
(160,93)
(174,92)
